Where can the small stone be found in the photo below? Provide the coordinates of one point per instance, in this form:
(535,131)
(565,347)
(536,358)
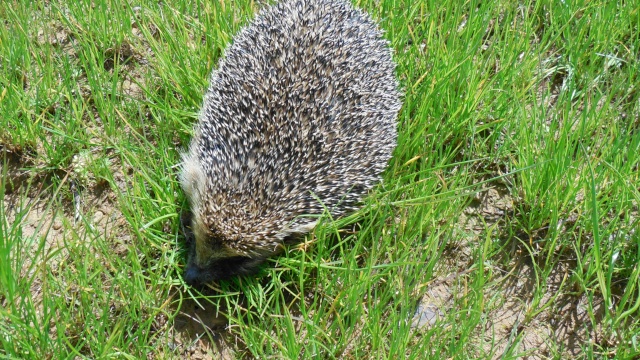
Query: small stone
(426,314)
(57,225)
(98,216)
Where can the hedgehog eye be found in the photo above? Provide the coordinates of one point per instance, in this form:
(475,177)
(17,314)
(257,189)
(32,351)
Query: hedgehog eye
(214,242)
(185,227)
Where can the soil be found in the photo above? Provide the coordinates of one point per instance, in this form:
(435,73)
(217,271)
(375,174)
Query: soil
(558,318)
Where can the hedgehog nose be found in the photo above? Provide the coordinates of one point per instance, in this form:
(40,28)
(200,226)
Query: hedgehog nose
(192,276)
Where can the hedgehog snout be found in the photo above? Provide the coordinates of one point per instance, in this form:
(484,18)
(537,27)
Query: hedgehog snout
(196,275)
(192,275)
(220,269)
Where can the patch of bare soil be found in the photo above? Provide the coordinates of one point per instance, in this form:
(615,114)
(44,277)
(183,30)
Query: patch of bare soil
(557,319)
(559,322)
(42,215)
(201,332)
(33,217)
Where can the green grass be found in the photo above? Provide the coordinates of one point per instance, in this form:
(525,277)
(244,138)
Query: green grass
(538,101)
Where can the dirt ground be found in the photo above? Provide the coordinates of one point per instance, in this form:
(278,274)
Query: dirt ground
(556,319)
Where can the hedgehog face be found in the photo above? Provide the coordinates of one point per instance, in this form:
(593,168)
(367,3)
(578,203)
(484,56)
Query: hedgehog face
(208,260)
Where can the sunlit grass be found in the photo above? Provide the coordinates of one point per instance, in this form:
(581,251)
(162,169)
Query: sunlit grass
(536,100)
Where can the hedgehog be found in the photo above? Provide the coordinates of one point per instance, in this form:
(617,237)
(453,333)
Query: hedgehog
(299,119)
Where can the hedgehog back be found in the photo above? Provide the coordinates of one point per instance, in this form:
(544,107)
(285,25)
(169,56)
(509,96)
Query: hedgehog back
(300,115)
